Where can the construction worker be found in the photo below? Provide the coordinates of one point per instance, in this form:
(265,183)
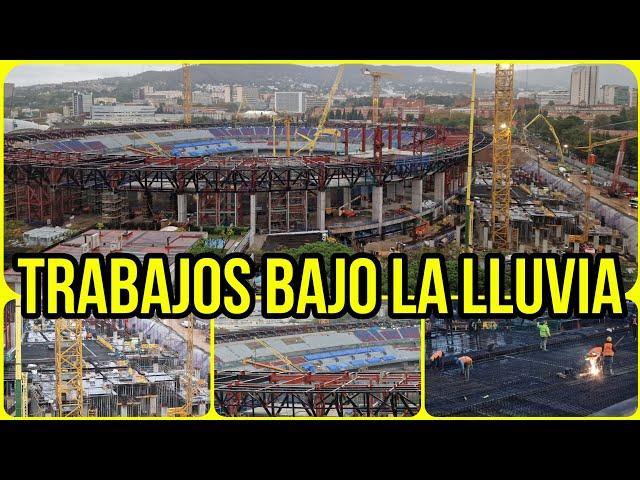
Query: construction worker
(545,333)
(474,332)
(466,363)
(633,326)
(437,360)
(608,352)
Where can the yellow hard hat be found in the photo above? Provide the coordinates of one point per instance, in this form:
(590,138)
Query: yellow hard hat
(609,339)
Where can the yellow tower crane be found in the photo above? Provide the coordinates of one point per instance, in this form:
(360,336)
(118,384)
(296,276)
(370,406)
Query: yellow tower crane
(311,142)
(186,410)
(280,355)
(159,152)
(186,93)
(375,91)
(469,203)
(68,361)
(21,378)
(501,184)
(287,132)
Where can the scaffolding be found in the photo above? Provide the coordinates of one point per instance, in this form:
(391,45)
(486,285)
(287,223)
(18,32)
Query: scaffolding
(113,209)
(287,211)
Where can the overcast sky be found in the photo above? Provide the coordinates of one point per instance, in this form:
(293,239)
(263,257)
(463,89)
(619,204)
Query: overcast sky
(26,75)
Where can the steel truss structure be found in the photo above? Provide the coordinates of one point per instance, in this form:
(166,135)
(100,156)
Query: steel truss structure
(42,181)
(317,395)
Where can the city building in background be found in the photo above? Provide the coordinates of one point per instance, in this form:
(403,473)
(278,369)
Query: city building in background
(122,113)
(614,95)
(290,102)
(554,97)
(584,85)
(81,104)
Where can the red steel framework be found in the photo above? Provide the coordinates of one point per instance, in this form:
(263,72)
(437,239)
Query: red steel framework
(363,394)
(46,185)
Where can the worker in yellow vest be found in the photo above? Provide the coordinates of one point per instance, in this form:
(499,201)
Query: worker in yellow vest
(545,333)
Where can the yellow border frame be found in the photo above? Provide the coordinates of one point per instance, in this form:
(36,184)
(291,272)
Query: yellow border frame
(6,294)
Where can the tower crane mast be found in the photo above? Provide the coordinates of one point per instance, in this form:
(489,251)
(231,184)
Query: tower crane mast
(375,91)
(68,365)
(186,93)
(501,184)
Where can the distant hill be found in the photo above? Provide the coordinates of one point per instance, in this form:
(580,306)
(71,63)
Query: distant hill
(411,78)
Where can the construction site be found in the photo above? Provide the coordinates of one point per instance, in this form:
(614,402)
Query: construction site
(317,368)
(529,198)
(107,368)
(281,184)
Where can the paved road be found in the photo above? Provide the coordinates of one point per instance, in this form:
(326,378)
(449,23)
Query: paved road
(199,336)
(621,205)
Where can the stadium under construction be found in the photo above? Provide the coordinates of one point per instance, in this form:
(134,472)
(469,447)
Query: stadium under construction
(276,185)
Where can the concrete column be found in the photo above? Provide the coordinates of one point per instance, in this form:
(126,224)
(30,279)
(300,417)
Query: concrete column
(458,233)
(376,205)
(521,248)
(566,239)
(364,200)
(252,219)
(576,247)
(545,245)
(400,188)
(182,207)
(438,187)
(537,237)
(607,248)
(123,410)
(346,196)
(196,197)
(391,191)
(485,237)
(321,200)
(596,242)
(153,407)
(202,409)
(416,195)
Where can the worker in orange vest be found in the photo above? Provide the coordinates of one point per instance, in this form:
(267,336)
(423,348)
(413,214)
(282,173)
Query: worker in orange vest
(608,352)
(437,360)
(466,363)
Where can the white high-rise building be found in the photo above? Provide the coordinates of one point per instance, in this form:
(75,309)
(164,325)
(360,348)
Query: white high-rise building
(633,97)
(81,104)
(290,102)
(584,85)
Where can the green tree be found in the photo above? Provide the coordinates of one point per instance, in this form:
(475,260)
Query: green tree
(326,249)
(600,120)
